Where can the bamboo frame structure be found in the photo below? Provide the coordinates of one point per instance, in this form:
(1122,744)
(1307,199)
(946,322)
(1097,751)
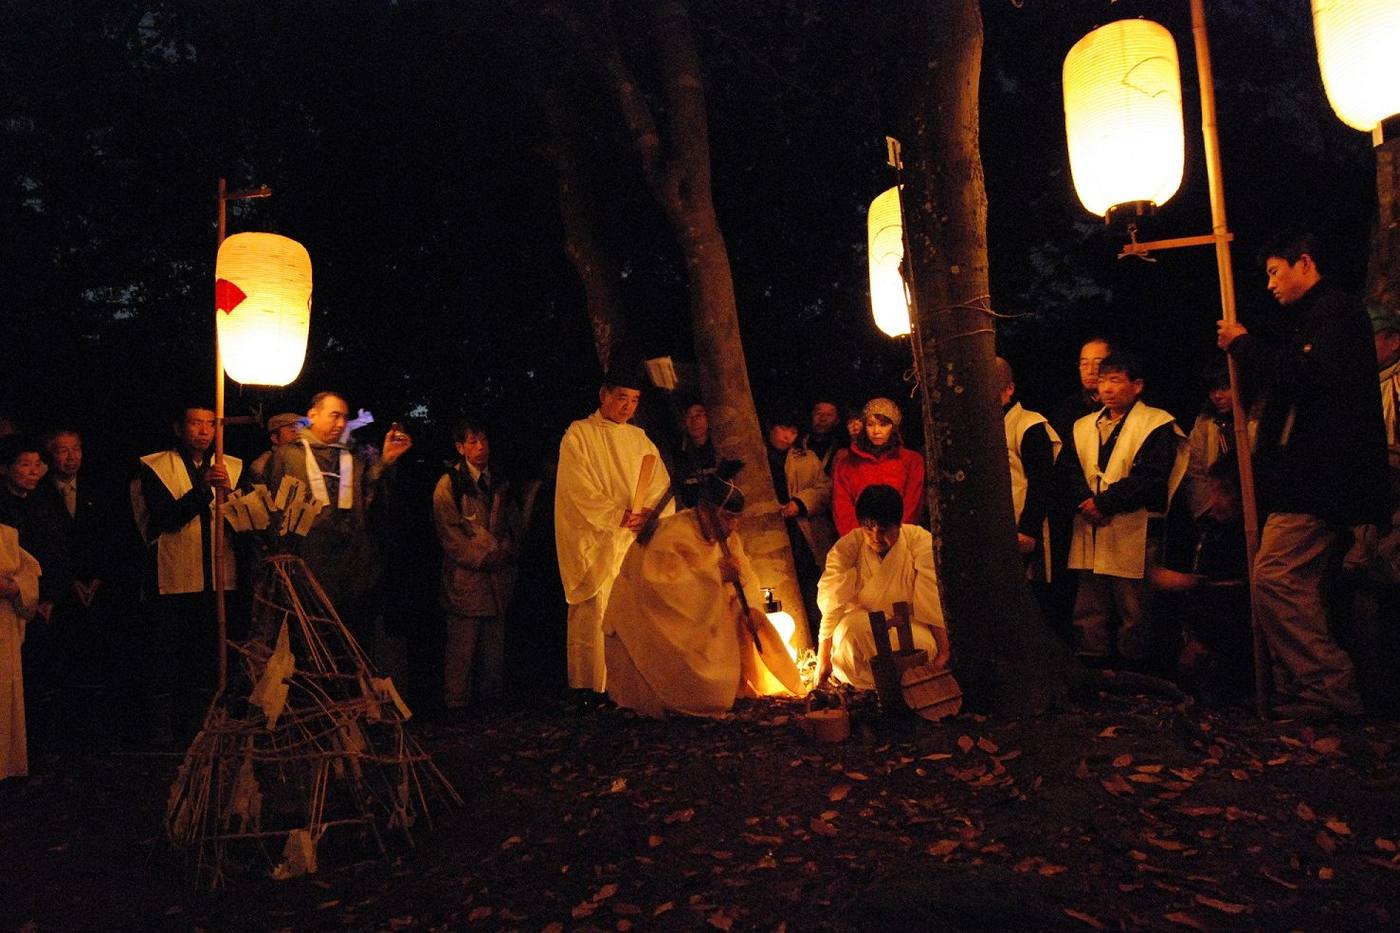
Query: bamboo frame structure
(332,752)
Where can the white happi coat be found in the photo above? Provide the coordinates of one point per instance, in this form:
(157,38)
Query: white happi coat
(1119,549)
(14,613)
(672,630)
(1017,422)
(599,462)
(181,563)
(857,581)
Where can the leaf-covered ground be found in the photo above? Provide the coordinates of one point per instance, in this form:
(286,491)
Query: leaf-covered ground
(1117,815)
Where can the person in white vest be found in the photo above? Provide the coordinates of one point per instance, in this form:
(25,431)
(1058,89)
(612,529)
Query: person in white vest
(880,563)
(1032,447)
(1212,437)
(1128,460)
(601,500)
(345,479)
(173,503)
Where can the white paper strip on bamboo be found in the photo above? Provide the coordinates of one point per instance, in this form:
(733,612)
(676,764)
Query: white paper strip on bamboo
(1358,50)
(1122,87)
(262,292)
(889,302)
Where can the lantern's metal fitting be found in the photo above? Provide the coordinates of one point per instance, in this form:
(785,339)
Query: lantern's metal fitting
(1128,213)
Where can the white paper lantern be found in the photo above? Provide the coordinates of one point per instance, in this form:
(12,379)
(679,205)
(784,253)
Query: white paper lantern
(1122,86)
(889,301)
(262,296)
(1358,50)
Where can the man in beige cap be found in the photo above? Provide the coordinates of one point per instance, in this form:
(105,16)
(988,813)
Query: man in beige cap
(281,429)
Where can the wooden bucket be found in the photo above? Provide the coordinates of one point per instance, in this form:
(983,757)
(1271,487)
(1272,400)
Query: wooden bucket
(930,692)
(828,726)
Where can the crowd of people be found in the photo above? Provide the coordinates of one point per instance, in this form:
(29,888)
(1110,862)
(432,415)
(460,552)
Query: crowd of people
(1131,530)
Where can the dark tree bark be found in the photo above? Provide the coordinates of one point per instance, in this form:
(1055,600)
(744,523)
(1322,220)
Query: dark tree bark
(1383,273)
(1004,654)
(676,166)
(595,263)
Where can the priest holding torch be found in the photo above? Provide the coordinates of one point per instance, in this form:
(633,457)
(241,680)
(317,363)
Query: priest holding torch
(611,479)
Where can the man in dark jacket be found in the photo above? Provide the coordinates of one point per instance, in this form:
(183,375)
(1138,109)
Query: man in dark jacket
(1321,469)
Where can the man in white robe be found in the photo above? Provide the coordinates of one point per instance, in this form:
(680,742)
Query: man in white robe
(676,636)
(880,563)
(600,462)
(19,597)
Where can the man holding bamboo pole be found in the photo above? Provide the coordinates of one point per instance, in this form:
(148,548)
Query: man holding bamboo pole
(610,480)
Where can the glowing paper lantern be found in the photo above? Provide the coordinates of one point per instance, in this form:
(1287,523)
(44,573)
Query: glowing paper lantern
(1358,50)
(889,302)
(262,293)
(1123,117)
(785,624)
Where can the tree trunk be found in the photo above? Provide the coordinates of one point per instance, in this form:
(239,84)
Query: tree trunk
(1003,652)
(578,210)
(1383,274)
(686,198)
(677,171)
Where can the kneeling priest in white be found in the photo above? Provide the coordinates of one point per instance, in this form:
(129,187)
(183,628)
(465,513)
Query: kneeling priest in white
(677,636)
(880,563)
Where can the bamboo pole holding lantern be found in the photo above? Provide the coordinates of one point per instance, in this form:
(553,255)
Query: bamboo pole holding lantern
(216,535)
(1220,232)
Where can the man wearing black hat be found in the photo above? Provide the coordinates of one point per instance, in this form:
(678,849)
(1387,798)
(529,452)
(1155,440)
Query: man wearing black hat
(678,637)
(610,479)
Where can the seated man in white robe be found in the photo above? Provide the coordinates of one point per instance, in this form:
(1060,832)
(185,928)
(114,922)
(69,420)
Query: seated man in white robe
(880,563)
(676,636)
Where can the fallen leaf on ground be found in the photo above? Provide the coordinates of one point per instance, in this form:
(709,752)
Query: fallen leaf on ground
(1385,845)
(1337,826)
(856,776)
(821,827)
(1325,842)
(1116,786)
(965,743)
(1110,733)
(480,913)
(1305,812)
(1186,920)
(618,786)
(1200,811)
(943,847)
(987,745)
(1171,845)
(654,841)
(838,792)
(1223,906)
(1084,918)
(669,905)
(720,920)
(1122,761)
(1329,745)
(679,816)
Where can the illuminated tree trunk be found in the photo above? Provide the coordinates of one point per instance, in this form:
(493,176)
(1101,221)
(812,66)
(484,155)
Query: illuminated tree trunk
(1383,274)
(1003,653)
(676,166)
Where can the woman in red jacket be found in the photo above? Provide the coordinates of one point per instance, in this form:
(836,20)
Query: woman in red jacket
(877,456)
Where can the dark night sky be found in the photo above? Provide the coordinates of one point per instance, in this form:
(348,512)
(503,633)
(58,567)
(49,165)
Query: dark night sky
(402,142)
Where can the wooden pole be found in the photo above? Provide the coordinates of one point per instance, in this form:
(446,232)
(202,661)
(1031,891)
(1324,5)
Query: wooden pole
(216,530)
(1221,234)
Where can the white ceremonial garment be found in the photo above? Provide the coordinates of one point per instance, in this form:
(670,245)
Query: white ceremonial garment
(858,581)
(14,613)
(181,563)
(599,463)
(674,632)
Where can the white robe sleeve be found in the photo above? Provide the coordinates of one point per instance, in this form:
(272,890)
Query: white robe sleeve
(837,589)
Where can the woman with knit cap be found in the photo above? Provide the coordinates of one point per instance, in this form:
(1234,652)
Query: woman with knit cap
(877,456)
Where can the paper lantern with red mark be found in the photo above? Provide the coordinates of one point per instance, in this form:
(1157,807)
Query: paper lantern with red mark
(1127,143)
(1358,50)
(889,301)
(262,293)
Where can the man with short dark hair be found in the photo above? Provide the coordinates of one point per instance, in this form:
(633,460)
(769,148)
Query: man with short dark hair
(879,563)
(173,502)
(478,526)
(803,489)
(345,479)
(1320,467)
(1127,461)
(600,473)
